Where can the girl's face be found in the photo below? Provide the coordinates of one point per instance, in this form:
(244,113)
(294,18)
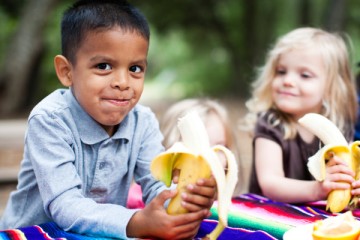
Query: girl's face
(299,84)
(215,129)
(217,133)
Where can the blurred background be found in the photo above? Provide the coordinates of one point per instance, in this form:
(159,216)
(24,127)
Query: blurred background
(197,48)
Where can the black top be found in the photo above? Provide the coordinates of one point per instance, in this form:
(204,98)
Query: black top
(295,152)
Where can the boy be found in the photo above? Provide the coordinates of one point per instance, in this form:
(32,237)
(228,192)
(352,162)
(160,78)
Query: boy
(84,145)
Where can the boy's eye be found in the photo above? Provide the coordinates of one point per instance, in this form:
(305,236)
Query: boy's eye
(104,66)
(135,69)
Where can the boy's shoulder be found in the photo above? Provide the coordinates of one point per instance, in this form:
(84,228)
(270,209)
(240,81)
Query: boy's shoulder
(52,102)
(142,109)
(143,114)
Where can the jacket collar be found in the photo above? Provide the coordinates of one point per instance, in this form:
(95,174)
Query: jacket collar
(90,131)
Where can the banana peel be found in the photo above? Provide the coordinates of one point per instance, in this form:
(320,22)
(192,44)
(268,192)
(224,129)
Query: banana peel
(335,144)
(195,159)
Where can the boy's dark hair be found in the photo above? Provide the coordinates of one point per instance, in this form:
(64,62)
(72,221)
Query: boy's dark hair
(91,15)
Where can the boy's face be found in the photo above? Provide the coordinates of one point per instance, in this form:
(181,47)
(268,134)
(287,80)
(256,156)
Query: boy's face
(108,77)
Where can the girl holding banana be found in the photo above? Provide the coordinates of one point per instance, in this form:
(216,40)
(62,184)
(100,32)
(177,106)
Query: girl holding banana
(307,71)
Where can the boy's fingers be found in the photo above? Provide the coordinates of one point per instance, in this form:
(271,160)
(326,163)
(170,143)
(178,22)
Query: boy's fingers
(189,229)
(165,195)
(202,190)
(195,202)
(191,207)
(208,192)
(207,182)
(192,217)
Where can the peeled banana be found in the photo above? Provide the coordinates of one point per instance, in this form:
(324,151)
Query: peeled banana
(195,159)
(335,144)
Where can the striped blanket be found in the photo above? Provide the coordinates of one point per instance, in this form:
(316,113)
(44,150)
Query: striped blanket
(253,212)
(250,217)
(51,231)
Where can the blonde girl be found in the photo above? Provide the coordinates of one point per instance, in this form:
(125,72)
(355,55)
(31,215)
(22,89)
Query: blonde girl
(217,122)
(308,70)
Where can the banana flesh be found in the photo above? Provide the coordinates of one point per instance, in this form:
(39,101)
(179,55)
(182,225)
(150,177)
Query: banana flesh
(335,144)
(195,159)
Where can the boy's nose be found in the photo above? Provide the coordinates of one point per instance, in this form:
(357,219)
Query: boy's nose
(120,81)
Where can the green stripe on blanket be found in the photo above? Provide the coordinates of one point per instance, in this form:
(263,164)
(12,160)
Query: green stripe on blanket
(241,220)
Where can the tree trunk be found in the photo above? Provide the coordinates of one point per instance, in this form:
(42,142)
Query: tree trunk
(25,47)
(305,13)
(334,16)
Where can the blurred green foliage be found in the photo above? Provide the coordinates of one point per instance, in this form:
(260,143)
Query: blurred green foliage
(215,47)
(203,47)
(48,79)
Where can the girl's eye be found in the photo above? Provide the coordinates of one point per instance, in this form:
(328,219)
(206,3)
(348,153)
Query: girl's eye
(135,69)
(280,72)
(305,75)
(104,66)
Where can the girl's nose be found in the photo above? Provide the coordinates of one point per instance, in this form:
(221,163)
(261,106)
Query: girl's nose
(288,79)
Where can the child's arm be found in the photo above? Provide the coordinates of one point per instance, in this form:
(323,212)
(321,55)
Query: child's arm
(153,221)
(77,199)
(274,184)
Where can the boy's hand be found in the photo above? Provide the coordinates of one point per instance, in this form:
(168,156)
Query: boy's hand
(154,222)
(200,196)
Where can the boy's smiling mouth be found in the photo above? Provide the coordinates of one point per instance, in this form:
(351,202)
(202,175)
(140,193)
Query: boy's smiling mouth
(118,102)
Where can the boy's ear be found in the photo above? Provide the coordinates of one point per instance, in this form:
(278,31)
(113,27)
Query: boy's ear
(63,70)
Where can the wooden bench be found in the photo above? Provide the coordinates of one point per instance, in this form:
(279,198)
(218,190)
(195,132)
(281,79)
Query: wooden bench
(11,148)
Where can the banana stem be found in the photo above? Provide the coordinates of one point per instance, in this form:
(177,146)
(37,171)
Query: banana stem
(354,202)
(216,232)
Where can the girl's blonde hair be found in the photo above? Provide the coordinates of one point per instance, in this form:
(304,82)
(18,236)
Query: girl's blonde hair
(339,102)
(204,107)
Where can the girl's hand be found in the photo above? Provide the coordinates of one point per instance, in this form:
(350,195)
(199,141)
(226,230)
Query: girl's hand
(338,175)
(355,188)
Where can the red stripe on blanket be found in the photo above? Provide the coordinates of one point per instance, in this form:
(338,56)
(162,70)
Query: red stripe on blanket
(15,234)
